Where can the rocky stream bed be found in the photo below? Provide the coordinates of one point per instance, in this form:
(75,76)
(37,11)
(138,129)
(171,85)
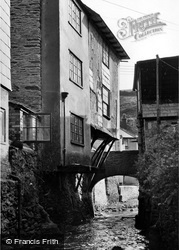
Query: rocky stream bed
(111,230)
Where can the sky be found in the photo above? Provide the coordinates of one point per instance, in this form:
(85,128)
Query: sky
(164,42)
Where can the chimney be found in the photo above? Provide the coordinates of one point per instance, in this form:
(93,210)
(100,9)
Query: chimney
(124,121)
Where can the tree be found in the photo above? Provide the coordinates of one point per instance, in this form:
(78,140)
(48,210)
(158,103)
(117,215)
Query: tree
(158,178)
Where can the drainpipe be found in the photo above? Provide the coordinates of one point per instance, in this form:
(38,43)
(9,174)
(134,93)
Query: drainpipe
(14,177)
(157,93)
(141,141)
(64,96)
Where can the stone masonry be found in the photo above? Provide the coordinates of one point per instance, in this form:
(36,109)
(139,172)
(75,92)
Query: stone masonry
(26,49)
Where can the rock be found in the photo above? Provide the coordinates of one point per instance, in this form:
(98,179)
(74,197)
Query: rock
(4,247)
(129,248)
(121,237)
(50,229)
(114,210)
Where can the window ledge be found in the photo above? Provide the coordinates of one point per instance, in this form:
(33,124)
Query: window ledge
(107,66)
(3,143)
(107,117)
(81,87)
(75,29)
(77,144)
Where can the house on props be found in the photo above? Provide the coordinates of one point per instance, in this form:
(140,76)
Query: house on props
(65,82)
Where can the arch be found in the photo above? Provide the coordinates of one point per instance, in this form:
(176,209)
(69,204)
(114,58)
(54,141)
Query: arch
(117,163)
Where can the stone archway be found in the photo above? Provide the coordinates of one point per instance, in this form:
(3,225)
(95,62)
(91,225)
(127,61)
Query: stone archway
(117,163)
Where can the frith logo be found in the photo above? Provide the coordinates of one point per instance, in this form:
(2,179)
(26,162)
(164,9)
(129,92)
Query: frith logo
(139,28)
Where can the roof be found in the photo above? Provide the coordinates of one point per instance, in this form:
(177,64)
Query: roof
(168,79)
(102,133)
(127,134)
(105,31)
(19,105)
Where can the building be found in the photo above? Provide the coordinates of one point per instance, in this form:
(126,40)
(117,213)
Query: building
(5,82)
(45,60)
(156,83)
(65,64)
(128,140)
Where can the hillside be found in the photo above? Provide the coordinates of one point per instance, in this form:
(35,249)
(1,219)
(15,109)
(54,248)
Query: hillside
(128,109)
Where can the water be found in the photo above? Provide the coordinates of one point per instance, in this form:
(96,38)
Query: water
(106,231)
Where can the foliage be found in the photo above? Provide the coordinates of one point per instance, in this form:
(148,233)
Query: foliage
(158,178)
(24,165)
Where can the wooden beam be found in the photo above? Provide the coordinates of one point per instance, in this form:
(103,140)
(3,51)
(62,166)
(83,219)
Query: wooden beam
(78,169)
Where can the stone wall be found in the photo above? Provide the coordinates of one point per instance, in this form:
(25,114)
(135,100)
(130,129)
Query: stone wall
(127,192)
(115,188)
(25,52)
(9,207)
(118,163)
(111,191)
(44,200)
(62,201)
(20,194)
(99,194)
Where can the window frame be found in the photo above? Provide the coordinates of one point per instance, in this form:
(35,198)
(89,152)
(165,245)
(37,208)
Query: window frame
(105,54)
(74,22)
(72,131)
(35,128)
(72,67)
(104,103)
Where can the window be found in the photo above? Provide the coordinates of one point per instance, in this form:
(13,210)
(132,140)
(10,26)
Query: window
(75,70)
(77,135)
(105,55)
(75,16)
(36,127)
(126,143)
(106,102)
(3,125)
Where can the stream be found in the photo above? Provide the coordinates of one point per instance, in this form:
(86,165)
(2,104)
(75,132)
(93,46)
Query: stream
(107,231)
